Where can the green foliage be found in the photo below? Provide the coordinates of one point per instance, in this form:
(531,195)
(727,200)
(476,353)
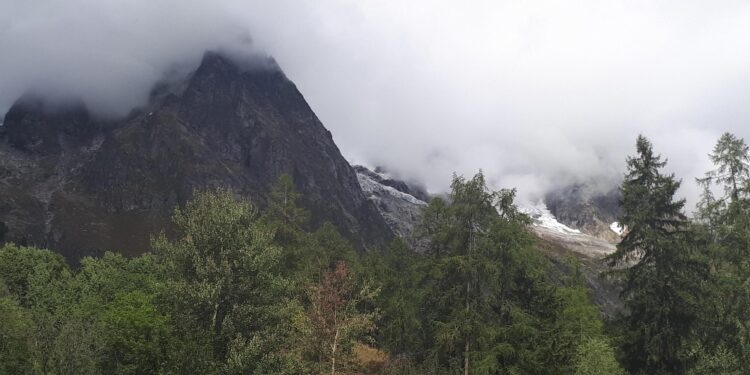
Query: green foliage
(596,357)
(335,320)
(236,291)
(400,273)
(16,331)
(288,222)
(725,234)
(730,155)
(663,275)
(722,361)
(431,227)
(224,278)
(577,320)
(135,335)
(33,275)
(283,205)
(487,304)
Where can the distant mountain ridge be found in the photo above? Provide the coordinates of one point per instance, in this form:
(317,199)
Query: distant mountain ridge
(80,185)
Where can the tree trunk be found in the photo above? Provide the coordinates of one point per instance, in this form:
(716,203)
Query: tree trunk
(468,290)
(466,358)
(333,352)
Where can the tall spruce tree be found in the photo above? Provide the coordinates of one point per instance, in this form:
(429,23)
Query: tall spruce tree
(660,275)
(486,289)
(732,160)
(472,212)
(730,155)
(727,221)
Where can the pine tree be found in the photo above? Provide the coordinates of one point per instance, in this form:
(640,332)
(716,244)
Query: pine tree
(660,275)
(732,160)
(400,274)
(596,357)
(472,212)
(726,221)
(730,155)
(283,205)
(288,220)
(485,288)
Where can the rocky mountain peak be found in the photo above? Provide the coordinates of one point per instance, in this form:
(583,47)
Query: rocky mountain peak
(36,126)
(236,125)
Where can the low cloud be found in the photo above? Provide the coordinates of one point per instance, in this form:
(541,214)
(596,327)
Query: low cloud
(537,94)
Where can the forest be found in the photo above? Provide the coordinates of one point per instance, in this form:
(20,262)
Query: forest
(238,290)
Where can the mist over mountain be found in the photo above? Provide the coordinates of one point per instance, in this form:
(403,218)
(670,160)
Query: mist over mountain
(374,187)
(538,95)
(80,184)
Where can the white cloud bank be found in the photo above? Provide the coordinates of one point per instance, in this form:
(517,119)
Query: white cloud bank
(536,93)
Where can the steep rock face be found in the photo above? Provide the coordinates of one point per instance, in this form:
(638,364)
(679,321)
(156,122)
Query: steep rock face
(581,207)
(78,185)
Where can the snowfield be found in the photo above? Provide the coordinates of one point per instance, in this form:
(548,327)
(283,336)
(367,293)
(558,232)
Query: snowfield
(548,228)
(371,186)
(543,218)
(617,228)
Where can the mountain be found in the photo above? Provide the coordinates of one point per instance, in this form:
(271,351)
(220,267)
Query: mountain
(79,185)
(398,202)
(587,209)
(558,242)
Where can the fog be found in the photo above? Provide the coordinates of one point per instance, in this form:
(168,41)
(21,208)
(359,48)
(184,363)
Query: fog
(536,94)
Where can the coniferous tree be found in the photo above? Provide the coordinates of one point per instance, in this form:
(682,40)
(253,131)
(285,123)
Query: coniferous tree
(284,203)
(595,356)
(472,212)
(730,155)
(726,220)
(486,296)
(661,278)
(400,274)
(288,221)
(284,213)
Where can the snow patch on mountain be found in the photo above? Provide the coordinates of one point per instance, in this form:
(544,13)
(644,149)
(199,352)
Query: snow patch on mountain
(401,210)
(617,228)
(370,186)
(542,217)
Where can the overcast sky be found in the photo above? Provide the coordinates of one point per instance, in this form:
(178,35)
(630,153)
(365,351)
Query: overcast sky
(536,93)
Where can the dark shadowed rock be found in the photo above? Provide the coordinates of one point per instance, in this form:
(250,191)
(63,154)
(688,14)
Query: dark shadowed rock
(36,127)
(70,183)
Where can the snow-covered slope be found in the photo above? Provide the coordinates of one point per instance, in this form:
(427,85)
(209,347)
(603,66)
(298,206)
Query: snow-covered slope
(543,218)
(400,210)
(371,186)
(547,227)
